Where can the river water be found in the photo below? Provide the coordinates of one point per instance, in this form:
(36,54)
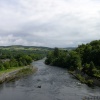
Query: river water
(55,84)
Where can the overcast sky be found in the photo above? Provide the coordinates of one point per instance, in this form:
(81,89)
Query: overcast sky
(52,23)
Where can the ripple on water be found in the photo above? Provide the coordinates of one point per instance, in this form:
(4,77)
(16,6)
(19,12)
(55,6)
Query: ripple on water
(56,84)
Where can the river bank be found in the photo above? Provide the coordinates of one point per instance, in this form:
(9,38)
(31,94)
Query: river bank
(55,82)
(84,78)
(11,74)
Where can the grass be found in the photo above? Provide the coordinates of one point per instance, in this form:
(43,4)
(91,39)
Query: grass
(26,71)
(21,71)
(83,80)
(10,70)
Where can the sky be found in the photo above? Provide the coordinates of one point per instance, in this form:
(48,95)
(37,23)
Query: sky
(50,23)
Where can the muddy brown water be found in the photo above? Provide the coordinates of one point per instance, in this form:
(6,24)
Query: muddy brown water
(48,83)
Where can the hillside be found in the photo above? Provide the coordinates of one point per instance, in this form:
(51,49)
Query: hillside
(20,47)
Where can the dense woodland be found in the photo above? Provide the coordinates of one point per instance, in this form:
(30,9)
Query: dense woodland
(10,58)
(85,58)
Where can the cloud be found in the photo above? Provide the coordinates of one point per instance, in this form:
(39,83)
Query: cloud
(50,23)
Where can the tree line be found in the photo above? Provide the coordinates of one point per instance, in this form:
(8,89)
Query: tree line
(18,58)
(85,58)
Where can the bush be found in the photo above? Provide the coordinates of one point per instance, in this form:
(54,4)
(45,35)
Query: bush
(82,79)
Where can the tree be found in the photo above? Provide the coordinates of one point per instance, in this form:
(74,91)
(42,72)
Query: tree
(6,65)
(91,68)
(1,66)
(56,52)
(75,60)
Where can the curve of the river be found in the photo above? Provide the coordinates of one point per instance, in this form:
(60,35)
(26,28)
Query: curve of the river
(48,83)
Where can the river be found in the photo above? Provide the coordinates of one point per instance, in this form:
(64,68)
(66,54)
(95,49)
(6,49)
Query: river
(48,83)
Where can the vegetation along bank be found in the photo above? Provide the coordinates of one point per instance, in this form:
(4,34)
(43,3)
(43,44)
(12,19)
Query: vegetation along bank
(14,59)
(83,62)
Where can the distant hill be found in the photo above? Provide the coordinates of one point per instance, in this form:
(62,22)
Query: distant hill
(68,48)
(21,47)
(17,47)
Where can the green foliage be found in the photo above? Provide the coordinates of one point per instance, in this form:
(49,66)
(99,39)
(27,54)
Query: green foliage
(82,79)
(90,82)
(70,60)
(75,60)
(56,52)
(85,58)
(25,71)
(6,65)
(2,66)
(18,58)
